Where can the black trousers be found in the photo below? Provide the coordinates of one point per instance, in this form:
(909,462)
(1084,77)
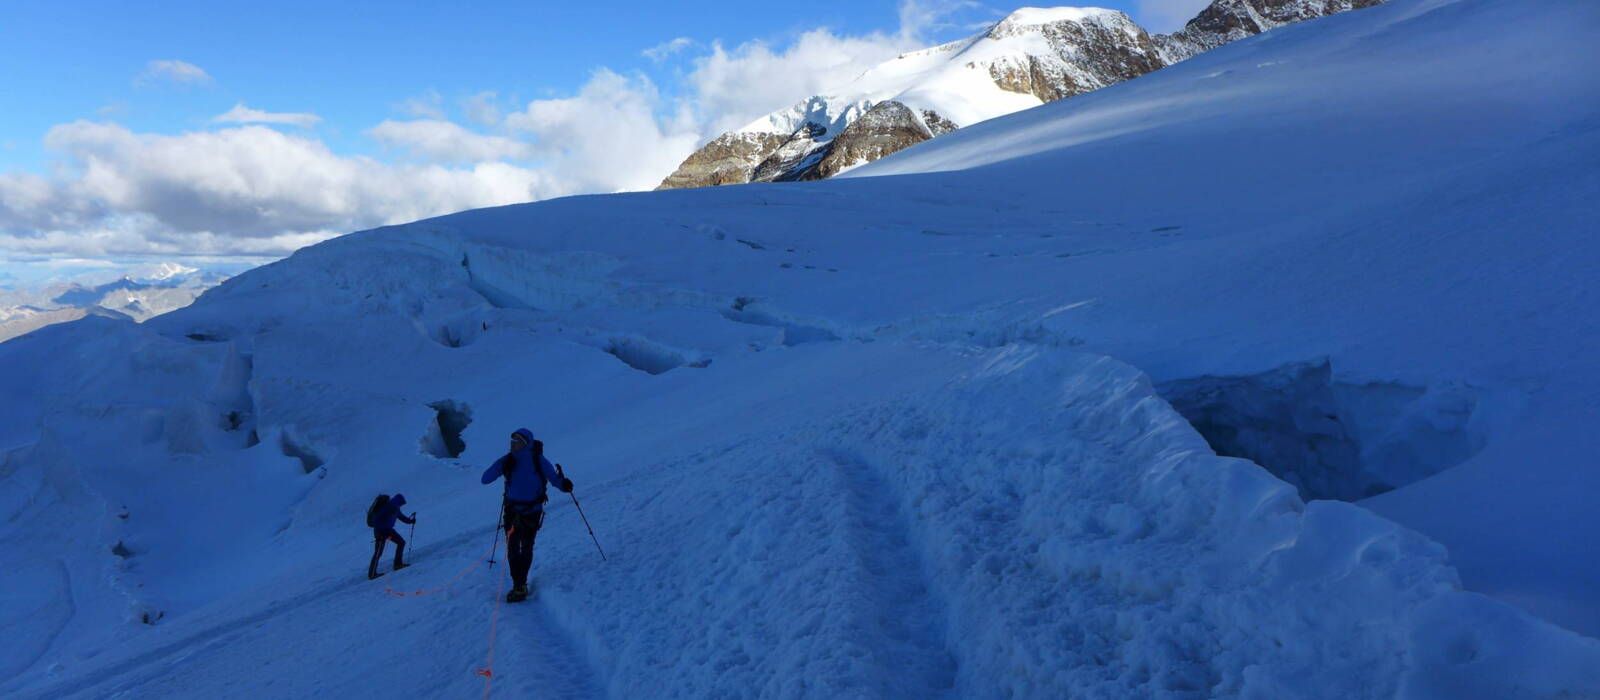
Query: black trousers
(521,529)
(379,539)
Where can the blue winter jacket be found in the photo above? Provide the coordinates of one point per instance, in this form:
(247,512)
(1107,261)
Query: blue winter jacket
(389,513)
(523,485)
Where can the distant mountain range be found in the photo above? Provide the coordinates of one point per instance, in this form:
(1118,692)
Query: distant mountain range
(146,294)
(1031,57)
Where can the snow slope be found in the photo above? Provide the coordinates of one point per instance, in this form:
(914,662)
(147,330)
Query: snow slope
(1421,220)
(892,436)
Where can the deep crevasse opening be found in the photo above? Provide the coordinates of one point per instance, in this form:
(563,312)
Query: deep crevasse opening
(1333,439)
(443,437)
(649,356)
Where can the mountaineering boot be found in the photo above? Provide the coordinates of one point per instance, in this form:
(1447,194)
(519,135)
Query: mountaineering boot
(372,575)
(517,595)
(398,566)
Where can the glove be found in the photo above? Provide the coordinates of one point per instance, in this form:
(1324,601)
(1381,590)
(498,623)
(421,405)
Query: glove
(566,485)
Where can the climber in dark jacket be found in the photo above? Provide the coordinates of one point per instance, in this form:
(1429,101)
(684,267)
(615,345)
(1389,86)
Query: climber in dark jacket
(383,531)
(526,472)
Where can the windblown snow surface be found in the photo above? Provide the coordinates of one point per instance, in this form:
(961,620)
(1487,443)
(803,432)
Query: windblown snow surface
(945,433)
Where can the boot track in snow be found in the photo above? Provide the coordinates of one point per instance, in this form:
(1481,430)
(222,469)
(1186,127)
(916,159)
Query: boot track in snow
(910,618)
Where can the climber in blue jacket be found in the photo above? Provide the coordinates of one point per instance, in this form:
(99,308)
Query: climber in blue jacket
(526,472)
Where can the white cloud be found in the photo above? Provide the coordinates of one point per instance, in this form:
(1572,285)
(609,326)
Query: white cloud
(241,114)
(144,238)
(73,263)
(429,105)
(172,71)
(483,108)
(609,137)
(244,190)
(448,142)
(666,49)
(1166,16)
(732,87)
(31,202)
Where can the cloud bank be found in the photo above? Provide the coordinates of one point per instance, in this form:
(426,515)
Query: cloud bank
(246,188)
(448,142)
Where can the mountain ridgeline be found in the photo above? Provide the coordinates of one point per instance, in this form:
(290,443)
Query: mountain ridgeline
(137,298)
(1031,57)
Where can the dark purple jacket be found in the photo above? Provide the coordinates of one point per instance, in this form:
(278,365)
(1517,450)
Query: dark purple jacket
(389,513)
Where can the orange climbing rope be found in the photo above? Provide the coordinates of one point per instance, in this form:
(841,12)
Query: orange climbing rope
(447,584)
(488,667)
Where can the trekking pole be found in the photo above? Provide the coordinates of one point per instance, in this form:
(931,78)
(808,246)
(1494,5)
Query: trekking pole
(413,534)
(585,517)
(495,531)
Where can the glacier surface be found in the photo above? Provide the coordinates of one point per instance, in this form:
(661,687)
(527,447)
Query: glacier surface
(915,433)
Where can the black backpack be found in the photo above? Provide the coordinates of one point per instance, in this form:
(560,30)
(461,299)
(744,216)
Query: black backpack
(376,509)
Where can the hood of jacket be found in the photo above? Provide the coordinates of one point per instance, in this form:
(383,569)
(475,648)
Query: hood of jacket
(527,437)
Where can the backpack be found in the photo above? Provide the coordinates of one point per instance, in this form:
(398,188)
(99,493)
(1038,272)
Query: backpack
(376,509)
(511,464)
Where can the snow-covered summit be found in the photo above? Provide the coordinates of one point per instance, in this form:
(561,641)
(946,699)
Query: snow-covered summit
(166,271)
(1040,21)
(1025,16)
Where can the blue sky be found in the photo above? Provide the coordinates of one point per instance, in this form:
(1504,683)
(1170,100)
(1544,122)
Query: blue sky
(349,63)
(126,129)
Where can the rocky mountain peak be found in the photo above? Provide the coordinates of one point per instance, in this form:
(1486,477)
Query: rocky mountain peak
(1067,51)
(1225,21)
